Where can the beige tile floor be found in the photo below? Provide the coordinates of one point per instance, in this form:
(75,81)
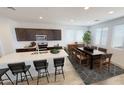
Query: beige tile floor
(71,77)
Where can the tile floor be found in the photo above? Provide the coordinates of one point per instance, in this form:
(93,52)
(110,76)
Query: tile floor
(72,78)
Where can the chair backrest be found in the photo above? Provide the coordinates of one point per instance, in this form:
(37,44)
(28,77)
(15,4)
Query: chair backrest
(79,52)
(107,57)
(40,64)
(102,49)
(16,66)
(59,62)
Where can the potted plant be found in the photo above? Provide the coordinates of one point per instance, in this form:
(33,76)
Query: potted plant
(87,38)
(87,41)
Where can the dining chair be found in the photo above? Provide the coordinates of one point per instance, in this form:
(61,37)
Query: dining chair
(20,68)
(81,57)
(41,66)
(105,61)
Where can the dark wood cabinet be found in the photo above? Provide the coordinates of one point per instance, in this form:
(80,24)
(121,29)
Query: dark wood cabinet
(28,34)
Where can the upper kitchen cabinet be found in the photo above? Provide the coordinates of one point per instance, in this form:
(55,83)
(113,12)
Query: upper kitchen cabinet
(29,34)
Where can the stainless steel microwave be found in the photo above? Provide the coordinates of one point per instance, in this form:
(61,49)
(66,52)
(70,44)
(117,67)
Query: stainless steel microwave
(41,37)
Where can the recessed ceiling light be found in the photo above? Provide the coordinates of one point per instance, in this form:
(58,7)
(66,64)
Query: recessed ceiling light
(86,8)
(111,12)
(41,17)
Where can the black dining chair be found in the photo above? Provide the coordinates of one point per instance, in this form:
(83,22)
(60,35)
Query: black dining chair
(59,64)
(3,71)
(41,67)
(20,68)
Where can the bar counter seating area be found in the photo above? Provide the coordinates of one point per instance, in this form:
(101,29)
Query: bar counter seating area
(55,49)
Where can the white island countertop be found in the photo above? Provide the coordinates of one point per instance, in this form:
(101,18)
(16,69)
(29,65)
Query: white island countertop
(31,56)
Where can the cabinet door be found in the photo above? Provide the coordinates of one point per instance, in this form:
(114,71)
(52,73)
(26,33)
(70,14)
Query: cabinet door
(50,35)
(21,35)
(31,34)
(58,35)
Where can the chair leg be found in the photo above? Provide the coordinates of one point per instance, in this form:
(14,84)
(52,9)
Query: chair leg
(30,74)
(63,73)
(109,64)
(16,79)
(26,78)
(9,78)
(38,78)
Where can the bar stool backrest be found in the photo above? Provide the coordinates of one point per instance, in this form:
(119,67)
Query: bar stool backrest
(40,64)
(59,62)
(17,67)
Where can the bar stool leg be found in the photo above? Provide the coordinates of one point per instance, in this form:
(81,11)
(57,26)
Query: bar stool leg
(21,77)
(30,74)
(16,79)
(55,73)
(26,78)
(38,77)
(63,73)
(1,81)
(9,78)
(47,75)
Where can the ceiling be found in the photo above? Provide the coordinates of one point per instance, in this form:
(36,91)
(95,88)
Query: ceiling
(63,15)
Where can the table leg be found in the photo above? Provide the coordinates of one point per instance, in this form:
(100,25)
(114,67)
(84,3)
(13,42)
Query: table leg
(91,63)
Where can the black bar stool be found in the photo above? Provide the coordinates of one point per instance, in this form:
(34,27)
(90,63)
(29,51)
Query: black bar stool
(20,68)
(4,72)
(58,64)
(41,65)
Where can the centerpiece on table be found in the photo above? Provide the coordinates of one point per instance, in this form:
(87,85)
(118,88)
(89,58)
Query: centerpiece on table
(87,41)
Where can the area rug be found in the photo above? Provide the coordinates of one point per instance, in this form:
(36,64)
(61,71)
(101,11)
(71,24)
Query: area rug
(93,76)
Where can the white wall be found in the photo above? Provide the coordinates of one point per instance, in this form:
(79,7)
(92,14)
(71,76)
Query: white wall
(1,49)
(70,34)
(118,54)
(6,37)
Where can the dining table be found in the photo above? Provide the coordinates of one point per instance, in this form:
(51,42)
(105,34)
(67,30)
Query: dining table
(92,55)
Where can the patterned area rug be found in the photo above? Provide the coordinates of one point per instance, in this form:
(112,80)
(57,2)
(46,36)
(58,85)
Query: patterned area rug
(93,76)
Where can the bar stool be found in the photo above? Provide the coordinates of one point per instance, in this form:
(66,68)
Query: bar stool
(58,64)
(41,67)
(20,68)
(4,72)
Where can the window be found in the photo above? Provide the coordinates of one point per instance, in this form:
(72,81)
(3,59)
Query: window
(118,37)
(104,36)
(97,36)
(101,35)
